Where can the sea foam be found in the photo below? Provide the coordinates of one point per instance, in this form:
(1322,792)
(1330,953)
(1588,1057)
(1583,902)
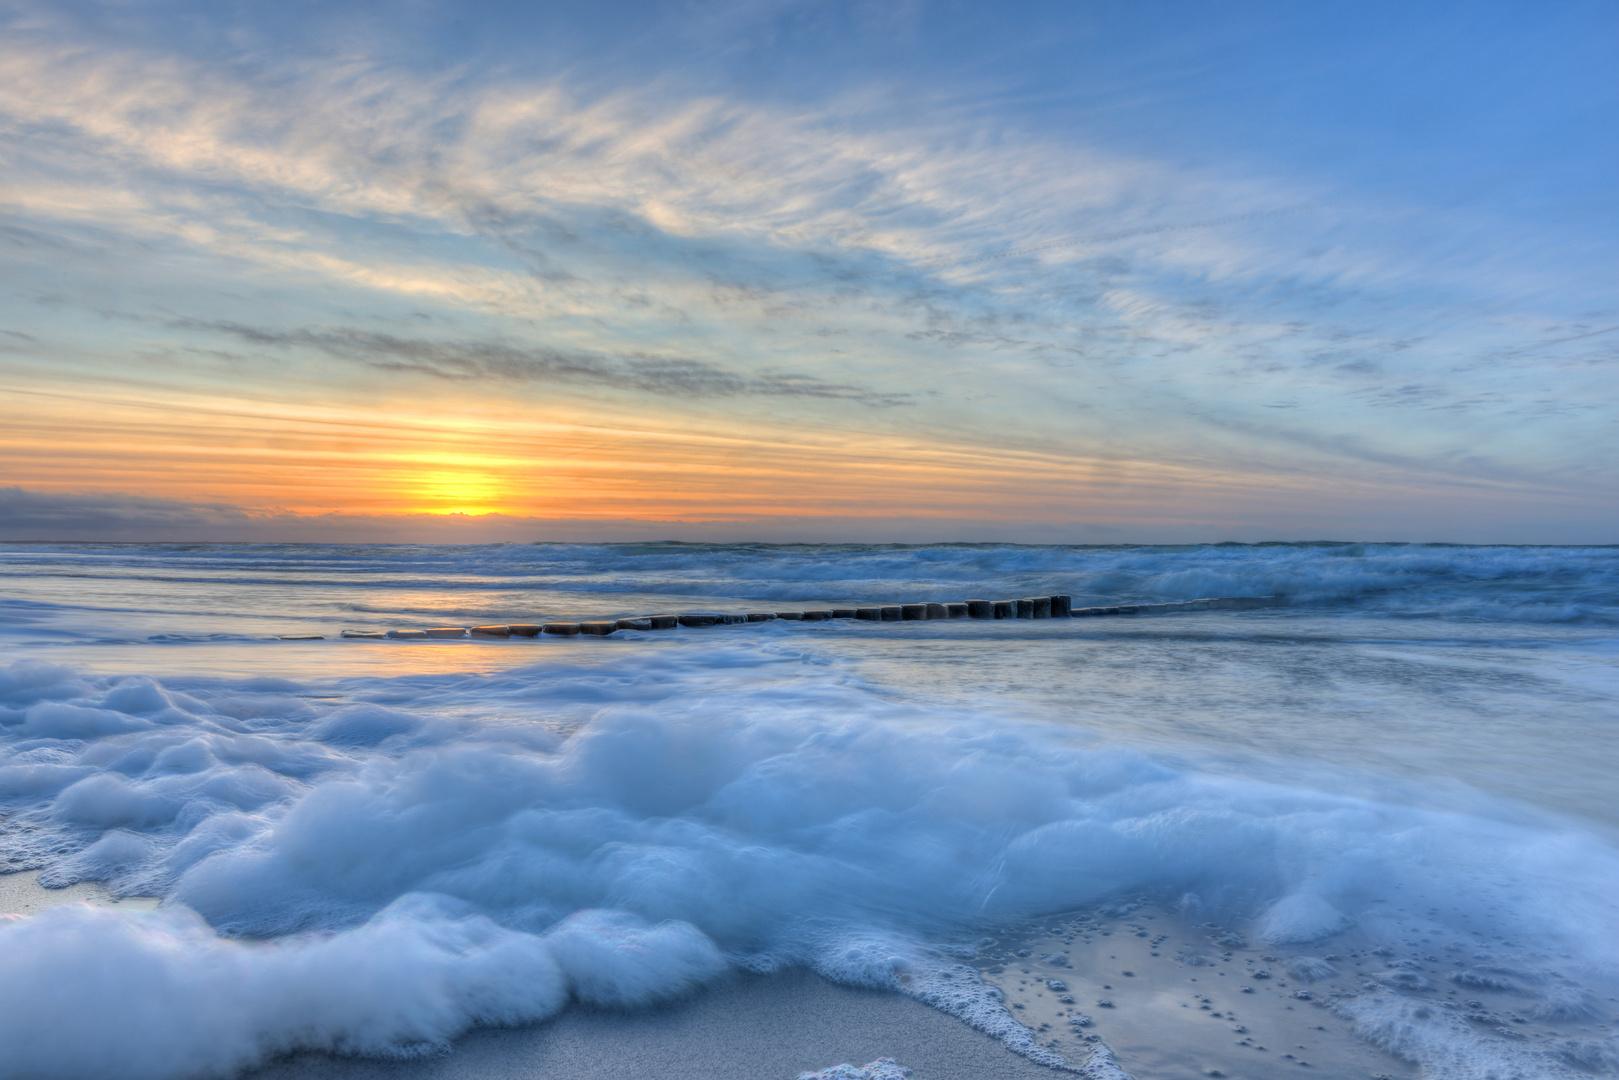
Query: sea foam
(376,869)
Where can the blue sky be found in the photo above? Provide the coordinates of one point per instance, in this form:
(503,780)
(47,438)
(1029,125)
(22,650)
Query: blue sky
(907,270)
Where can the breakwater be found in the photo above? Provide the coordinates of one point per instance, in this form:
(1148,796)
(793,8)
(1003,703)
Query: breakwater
(1059,606)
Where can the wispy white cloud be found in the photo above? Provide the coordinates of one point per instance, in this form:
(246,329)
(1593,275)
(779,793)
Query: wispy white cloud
(957,259)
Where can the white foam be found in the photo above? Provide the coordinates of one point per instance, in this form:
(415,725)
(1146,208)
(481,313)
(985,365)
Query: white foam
(613,958)
(642,823)
(1301,917)
(1451,1048)
(881,1069)
(94,993)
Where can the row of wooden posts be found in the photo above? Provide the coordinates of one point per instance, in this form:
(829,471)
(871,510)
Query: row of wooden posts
(1059,606)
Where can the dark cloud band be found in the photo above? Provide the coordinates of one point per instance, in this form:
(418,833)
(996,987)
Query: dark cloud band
(495,361)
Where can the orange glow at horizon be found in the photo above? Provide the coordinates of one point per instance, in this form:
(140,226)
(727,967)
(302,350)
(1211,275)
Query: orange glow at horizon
(318,458)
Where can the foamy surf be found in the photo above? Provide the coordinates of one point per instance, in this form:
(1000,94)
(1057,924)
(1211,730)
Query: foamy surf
(376,866)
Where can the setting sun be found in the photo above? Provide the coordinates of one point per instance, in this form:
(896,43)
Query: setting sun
(455,489)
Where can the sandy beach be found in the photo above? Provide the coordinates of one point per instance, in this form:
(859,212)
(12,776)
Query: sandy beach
(745,1027)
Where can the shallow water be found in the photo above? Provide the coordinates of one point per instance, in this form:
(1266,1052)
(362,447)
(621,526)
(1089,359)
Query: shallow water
(1412,750)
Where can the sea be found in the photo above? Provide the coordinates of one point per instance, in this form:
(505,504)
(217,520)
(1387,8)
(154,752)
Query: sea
(1366,828)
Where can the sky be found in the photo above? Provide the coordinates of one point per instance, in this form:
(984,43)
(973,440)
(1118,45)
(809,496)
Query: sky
(907,271)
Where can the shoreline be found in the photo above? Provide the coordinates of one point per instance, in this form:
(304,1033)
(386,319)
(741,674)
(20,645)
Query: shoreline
(740,1027)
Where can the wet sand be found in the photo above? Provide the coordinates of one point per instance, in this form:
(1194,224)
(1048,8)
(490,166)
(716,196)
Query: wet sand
(1173,1000)
(21,894)
(745,1027)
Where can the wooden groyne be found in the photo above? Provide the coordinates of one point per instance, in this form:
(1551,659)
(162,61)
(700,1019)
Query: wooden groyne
(1059,606)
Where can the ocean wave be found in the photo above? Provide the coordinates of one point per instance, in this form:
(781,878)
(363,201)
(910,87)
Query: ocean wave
(1489,584)
(432,853)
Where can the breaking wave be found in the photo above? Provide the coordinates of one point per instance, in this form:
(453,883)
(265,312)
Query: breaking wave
(377,866)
